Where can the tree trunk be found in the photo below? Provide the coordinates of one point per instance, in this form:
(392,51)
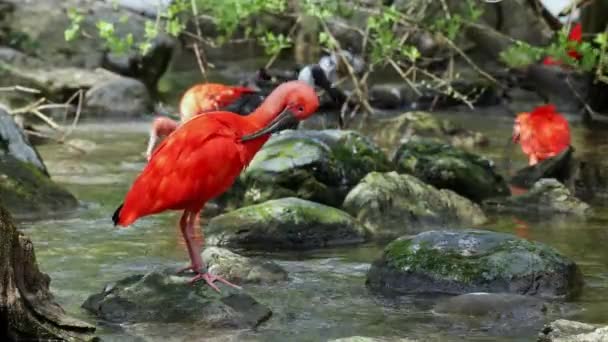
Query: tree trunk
(27,308)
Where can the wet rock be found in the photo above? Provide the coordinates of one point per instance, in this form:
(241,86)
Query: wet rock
(25,186)
(559,167)
(37,28)
(385,97)
(547,196)
(447,167)
(14,143)
(390,205)
(121,96)
(321,166)
(239,269)
(413,125)
(25,189)
(163,298)
(473,261)
(498,306)
(286,223)
(570,331)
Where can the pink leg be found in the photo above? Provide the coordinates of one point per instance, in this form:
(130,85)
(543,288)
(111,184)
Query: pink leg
(533,160)
(188,223)
(161,127)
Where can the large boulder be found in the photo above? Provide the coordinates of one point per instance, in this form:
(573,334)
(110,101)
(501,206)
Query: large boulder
(107,93)
(25,186)
(447,167)
(37,28)
(320,166)
(473,261)
(284,224)
(26,190)
(391,204)
(416,125)
(121,96)
(240,269)
(14,143)
(547,196)
(570,331)
(163,298)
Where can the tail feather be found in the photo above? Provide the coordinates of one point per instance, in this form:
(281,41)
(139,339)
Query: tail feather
(116,216)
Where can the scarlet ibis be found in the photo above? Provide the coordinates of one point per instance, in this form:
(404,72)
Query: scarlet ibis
(202,158)
(542,134)
(198,99)
(576,35)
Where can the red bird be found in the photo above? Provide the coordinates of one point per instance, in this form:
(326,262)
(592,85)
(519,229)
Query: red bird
(202,158)
(576,35)
(542,134)
(198,99)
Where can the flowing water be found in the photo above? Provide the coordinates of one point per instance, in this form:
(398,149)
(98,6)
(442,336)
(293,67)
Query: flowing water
(325,296)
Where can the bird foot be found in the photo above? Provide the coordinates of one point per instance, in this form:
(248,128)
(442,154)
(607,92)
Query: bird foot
(187,268)
(210,279)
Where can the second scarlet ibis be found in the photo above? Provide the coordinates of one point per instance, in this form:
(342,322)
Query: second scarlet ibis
(542,133)
(575,36)
(198,99)
(202,158)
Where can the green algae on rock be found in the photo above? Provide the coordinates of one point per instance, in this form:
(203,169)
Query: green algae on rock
(473,261)
(286,223)
(321,166)
(162,297)
(447,167)
(390,205)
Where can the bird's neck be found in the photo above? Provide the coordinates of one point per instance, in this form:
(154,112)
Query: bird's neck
(272,106)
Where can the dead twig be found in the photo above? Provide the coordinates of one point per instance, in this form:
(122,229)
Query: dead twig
(21,89)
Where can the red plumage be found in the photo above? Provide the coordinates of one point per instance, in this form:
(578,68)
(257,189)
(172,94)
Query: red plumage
(201,159)
(542,134)
(194,164)
(209,97)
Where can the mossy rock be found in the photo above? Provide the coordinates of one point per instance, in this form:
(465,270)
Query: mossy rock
(320,166)
(25,190)
(473,261)
(447,167)
(165,298)
(392,204)
(284,224)
(547,196)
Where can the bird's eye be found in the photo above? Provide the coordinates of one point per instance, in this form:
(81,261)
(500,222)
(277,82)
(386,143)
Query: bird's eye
(300,109)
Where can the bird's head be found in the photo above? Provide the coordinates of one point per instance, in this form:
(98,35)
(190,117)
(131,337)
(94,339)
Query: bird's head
(297,101)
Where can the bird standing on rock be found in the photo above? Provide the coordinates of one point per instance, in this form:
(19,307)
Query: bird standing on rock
(198,99)
(202,158)
(542,134)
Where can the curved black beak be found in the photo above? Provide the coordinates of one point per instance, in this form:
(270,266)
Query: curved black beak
(285,120)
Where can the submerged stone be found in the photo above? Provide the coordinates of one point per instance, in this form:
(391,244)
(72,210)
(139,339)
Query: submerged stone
(493,305)
(286,223)
(547,196)
(321,166)
(239,269)
(473,261)
(164,298)
(447,167)
(390,205)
